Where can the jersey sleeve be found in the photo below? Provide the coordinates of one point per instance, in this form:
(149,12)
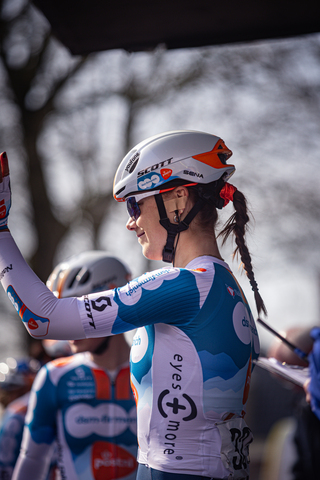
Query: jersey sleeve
(41,312)
(167,295)
(39,432)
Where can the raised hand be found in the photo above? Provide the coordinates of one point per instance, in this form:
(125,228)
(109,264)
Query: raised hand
(5,191)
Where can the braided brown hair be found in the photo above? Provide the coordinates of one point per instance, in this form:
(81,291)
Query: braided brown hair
(237,225)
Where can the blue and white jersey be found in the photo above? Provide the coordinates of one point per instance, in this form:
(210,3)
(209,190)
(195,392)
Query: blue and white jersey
(90,412)
(191,363)
(191,358)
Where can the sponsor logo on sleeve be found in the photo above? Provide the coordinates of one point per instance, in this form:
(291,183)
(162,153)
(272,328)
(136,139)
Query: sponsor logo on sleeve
(145,280)
(5,270)
(37,326)
(100,304)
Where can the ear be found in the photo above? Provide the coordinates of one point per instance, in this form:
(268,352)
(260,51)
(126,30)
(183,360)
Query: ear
(179,200)
(181,192)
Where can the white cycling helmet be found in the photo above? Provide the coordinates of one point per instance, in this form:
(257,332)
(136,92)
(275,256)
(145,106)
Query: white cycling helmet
(88,272)
(169,159)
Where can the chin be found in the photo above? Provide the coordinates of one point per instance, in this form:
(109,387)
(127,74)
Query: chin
(151,255)
(78,346)
(75,350)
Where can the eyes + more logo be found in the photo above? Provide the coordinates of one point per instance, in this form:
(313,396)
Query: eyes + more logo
(175,407)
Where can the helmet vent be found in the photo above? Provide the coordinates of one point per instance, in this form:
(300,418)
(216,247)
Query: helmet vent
(73,278)
(223,157)
(85,277)
(119,191)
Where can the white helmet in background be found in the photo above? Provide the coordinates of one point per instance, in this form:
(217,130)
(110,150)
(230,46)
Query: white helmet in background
(87,272)
(170,159)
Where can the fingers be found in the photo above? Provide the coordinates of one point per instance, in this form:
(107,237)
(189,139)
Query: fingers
(4,171)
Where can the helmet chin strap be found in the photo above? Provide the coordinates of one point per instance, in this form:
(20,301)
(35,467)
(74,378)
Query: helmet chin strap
(173,229)
(102,347)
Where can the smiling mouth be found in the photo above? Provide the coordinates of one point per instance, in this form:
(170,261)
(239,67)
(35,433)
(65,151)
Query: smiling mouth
(141,234)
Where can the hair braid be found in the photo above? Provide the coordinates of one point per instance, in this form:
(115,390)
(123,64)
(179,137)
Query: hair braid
(236,225)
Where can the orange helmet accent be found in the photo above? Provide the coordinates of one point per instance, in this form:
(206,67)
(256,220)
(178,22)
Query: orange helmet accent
(217,157)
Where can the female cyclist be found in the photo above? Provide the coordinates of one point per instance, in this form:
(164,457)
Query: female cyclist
(191,358)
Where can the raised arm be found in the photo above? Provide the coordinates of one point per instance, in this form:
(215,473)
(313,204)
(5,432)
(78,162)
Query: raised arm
(42,313)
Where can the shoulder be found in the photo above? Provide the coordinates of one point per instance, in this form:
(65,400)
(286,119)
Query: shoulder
(52,371)
(61,366)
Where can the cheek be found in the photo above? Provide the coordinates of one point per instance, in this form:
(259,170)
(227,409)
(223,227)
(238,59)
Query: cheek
(156,233)
(158,242)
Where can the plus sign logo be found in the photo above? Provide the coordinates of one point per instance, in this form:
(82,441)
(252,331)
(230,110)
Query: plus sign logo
(184,404)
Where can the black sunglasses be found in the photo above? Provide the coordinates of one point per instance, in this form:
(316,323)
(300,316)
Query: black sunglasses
(133,208)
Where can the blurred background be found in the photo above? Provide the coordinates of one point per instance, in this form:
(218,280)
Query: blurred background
(67,120)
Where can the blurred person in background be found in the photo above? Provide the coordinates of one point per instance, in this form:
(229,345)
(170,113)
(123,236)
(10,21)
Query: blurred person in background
(306,434)
(16,378)
(83,402)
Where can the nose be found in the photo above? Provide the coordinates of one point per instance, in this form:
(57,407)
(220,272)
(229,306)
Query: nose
(131,224)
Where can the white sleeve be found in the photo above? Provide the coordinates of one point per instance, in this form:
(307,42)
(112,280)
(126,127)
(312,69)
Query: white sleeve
(41,312)
(33,464)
